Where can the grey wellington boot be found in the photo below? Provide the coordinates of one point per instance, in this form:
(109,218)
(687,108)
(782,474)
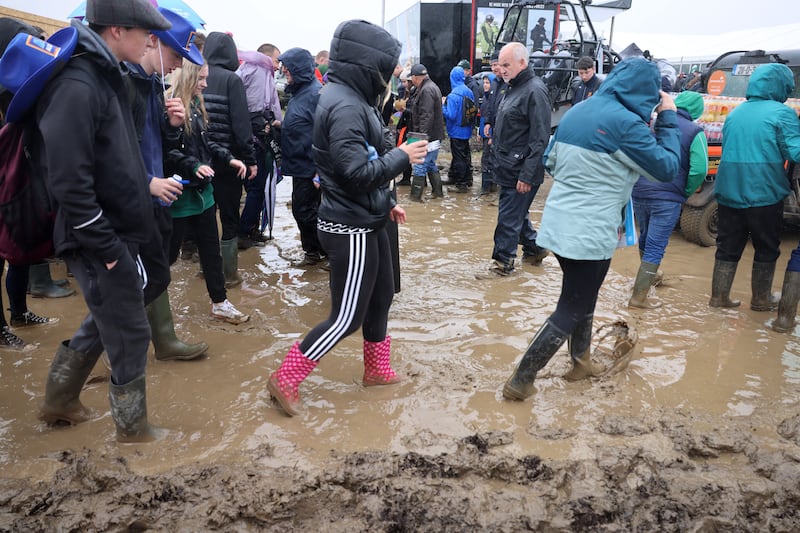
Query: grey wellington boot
(42,284)
(580,344)
(644,280)
(68,373)
(787,308)
(721,283)
(129,411)
(229,250)
(763,298)
(546,343)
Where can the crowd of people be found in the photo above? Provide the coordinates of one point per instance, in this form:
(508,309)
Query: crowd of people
(175,128)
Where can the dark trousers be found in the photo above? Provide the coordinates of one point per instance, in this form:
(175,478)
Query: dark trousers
(305,205)
(460,173)
(17,290)
(762,225)
(579,288)
(228,196)
(486,166)
(206,236)
(362,289)
(154,254)
(513,225)
(117,321)
(254,201)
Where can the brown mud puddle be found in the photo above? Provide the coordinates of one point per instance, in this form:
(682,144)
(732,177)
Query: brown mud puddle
(701,431)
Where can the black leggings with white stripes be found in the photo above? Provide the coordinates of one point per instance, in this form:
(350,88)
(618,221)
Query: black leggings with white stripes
(362,289)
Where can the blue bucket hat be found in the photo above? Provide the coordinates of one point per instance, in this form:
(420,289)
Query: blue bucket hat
(28,64)
(180,37)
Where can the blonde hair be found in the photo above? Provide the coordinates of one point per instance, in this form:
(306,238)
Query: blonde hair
(185,82)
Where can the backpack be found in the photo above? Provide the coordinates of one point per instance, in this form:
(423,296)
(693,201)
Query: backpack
(26,214)
(469,112)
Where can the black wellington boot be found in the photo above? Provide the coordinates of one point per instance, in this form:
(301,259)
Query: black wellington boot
(580,344)
(436,184)
(546,343)
(68,373)
(787,308)
(417,186)
(721,283)
(129,411)
(761,284)
(162,330)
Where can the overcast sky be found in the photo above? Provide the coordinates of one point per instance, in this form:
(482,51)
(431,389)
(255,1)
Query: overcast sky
(310,23)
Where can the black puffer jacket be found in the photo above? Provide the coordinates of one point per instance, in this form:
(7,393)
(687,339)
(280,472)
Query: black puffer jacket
(90,153)
(226,101)
(347,123)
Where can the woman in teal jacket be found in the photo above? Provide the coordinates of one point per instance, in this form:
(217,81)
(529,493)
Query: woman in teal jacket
(758,137)
(599,150)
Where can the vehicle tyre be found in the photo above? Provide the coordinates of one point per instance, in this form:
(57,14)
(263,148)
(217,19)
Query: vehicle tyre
(699,224)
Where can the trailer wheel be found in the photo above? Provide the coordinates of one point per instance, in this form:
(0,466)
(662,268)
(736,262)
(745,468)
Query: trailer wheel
(699,224)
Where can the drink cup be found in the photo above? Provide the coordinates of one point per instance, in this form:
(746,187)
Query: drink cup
(414,136)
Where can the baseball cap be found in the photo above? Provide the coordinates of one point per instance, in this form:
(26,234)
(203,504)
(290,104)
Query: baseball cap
(126,13)
(464,63)
(419,70)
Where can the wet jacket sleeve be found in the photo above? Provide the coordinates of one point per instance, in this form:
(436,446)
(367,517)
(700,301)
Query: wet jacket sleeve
(354,170)
(69,152)
(698,163)
(423,112)
(532,171)
(657,157)
(789,135)
(242,145)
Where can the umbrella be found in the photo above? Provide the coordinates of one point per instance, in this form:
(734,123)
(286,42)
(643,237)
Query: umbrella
(268,213)
(178,6)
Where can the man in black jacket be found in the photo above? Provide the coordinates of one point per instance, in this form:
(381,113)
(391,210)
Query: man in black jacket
(519,137)
(228,126)
(90,153)
(427,118)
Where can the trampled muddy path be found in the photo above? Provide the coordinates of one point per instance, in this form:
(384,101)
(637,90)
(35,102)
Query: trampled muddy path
(700,433)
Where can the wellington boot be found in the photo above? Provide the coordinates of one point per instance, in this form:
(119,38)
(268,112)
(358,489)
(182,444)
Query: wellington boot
(129,411)
(659,274)
(721,283)
(230,262)
(546,343)
(436,184)
(283,383)
(42,284)
(417,186)
(377,365)
(763,298)
(787,308)
(644,280)
(162,330)
(580,343)
(68,373)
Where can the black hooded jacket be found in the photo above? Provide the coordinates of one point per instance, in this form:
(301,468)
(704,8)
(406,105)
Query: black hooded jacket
(90,154)
(348,124)
(298,121)
(226,101)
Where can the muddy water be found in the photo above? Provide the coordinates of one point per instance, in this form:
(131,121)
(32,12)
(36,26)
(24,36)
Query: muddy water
(706,400)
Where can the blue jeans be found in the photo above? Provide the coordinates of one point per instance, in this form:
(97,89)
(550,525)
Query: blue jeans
(429,165)
(657,219)
(254,201)
(513,226)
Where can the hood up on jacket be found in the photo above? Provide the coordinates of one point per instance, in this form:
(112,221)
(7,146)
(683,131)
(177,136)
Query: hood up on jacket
(773,81)
(220,50)
(635,83)
(363,57)
(691,102)
(457,77)
(300,63)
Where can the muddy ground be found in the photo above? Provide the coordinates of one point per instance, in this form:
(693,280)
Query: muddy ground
(701,432)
